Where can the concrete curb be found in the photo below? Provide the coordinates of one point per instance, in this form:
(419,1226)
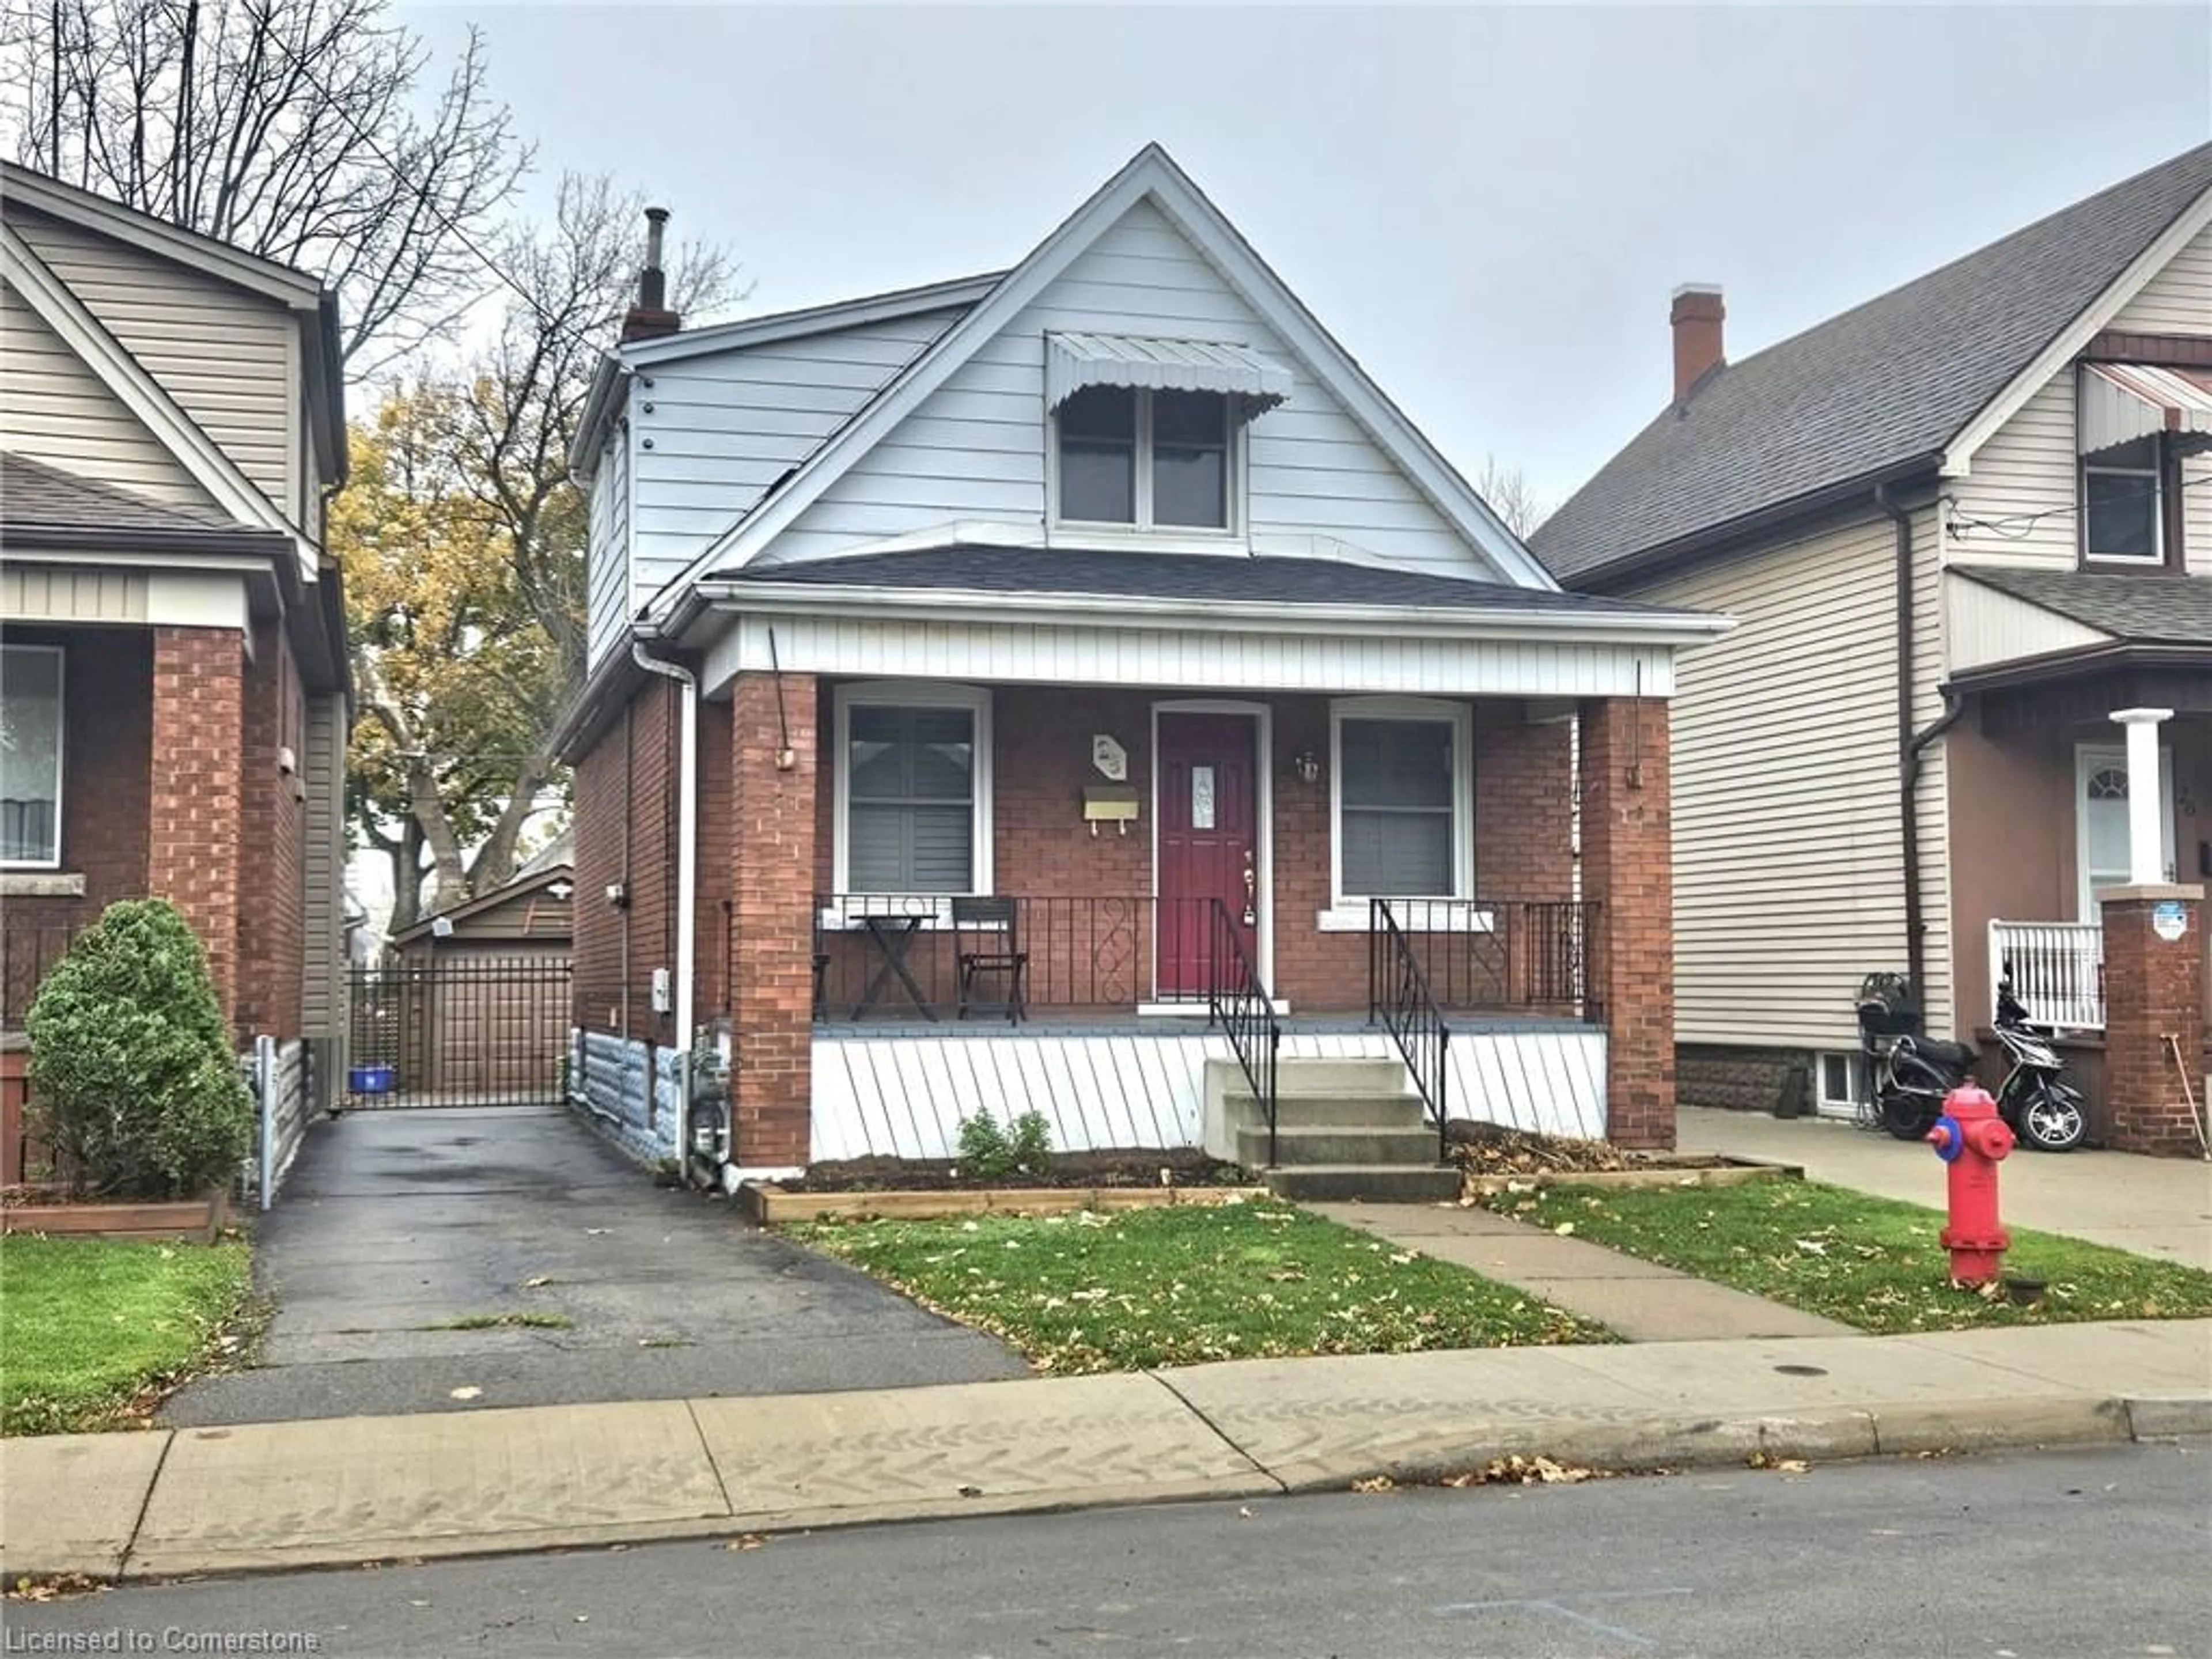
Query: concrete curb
(1657,1443)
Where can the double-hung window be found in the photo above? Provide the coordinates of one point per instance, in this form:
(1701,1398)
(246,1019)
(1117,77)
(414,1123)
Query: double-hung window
(1146,460)
(1403,795)
(2122,505)
(912,790)
(30,757)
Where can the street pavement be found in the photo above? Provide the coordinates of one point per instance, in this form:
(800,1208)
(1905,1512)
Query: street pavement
(2154,1207)
(394,1225)
(2079,1554)
(176,1503)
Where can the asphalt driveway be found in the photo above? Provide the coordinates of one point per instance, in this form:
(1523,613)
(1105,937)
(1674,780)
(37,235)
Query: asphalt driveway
(399,1233)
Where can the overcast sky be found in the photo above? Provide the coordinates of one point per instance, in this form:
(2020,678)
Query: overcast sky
(1488,207)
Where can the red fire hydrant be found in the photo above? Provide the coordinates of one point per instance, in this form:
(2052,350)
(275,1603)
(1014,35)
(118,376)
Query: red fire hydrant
(1972,1138)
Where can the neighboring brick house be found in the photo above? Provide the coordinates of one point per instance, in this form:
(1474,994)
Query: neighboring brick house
(174,661)
(991,682)
(1964,527)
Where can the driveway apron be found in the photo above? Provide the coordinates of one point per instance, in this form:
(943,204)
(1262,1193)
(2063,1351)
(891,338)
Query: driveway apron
(402,1236)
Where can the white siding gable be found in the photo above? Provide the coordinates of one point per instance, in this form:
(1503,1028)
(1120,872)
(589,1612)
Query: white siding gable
(2178,299)
(54,408)
(607,557)
(711,433)
(2027,468)
(975,449)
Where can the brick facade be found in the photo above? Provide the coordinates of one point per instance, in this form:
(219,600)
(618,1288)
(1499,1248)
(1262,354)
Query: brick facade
(1628,869)
(273,823)
(773,820)
(626,829)
(2153,988)
(195,791)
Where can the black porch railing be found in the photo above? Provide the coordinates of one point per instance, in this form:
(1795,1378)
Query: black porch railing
(26,954)
(1238,1003)
(1400,1000)
(1496,954)
(925,956)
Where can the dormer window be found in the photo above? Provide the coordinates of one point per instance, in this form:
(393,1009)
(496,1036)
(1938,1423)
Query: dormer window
(1145,459)
(2122,515)
(1145,432)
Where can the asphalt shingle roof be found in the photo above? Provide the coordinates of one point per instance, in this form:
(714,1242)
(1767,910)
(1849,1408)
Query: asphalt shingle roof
(1199,578)
(1882,384)
(2152,610)
(34,496)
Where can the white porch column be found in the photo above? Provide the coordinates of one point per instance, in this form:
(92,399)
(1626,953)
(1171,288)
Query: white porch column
(2146,837)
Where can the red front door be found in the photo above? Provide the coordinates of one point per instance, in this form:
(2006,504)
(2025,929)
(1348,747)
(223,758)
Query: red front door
(1209,828)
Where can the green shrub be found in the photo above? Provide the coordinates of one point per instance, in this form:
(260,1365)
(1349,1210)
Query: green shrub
(1031,1143)
(991,1153)
(132,1081)
(985,1151)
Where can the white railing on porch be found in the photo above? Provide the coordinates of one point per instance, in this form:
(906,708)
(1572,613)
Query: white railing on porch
(2058,970)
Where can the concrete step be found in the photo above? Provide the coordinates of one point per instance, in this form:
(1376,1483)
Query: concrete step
(1311,1143)
(1333,1110)
(1376,1183)
(1315,1076)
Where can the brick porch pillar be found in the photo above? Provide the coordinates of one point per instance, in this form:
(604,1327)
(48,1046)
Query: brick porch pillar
(1628,871)
(772,818)
(2154,989)
(196,790)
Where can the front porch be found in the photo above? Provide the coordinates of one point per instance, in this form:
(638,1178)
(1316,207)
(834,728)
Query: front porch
(1076,899)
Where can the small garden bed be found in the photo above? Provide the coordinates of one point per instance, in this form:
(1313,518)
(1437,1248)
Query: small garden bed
(1132,1289)
(1184,1166)
(99,1331)
(52,1211)
(1493,1159)
(1867,1261)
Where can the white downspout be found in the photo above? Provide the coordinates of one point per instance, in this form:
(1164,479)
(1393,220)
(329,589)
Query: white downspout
(687,865)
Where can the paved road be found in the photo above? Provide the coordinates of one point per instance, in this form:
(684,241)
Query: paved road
(2071,1555)
(396,1223)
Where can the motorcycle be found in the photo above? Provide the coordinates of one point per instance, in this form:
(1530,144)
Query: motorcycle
(2037,1105)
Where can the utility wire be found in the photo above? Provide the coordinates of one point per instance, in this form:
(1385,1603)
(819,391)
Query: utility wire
(2015,527)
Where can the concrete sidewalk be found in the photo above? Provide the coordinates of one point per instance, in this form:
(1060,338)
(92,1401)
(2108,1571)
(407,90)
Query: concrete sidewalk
(1638,1301)
(2155,1207)
(344,1492)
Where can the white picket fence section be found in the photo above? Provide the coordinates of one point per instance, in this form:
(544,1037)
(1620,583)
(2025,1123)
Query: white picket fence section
(2058,970)
(904,1095)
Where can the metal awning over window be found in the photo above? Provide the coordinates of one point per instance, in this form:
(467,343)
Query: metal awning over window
(1073,361)
(2122,403)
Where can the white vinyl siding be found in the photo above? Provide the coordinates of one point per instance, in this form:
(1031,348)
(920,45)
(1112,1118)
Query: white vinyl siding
(2029,465)
(1988,626)
(2178,299)
(1787,849)
(711,433)
(322,985)
(227,356)
(53,408)
(70,593)
(976,448)
(607,550)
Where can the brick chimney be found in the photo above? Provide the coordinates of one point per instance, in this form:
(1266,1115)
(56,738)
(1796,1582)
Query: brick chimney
(1697,316)
(651,316)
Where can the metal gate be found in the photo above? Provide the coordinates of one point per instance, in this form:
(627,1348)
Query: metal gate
(458,1030)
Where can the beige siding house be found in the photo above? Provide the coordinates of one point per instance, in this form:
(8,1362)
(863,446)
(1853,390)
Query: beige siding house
(1959,526)
(173,663)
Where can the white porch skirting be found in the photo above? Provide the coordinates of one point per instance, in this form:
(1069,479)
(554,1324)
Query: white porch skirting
(904,1095)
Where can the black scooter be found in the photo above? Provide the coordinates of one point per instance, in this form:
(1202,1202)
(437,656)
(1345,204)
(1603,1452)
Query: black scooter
(2037,1103)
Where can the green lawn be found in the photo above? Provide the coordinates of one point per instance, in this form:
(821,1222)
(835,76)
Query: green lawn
(87,1324)
(1175,1286)
(1868,1261)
